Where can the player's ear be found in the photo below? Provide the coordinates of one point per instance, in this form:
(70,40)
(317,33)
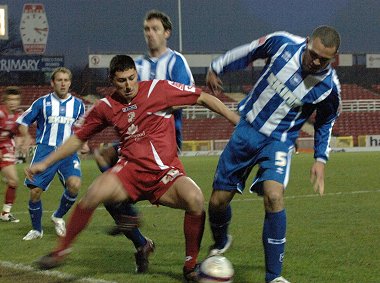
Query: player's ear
(168,33)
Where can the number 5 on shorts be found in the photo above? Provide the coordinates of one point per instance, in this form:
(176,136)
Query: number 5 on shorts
(281,158)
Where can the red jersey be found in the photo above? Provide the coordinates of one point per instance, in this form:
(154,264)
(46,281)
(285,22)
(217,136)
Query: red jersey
(8,129)
(145,125)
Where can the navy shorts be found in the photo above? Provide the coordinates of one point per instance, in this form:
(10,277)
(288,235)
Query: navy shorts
(67,167)
(247,148)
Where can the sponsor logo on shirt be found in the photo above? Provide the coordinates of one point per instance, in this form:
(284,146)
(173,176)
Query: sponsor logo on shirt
(279,87)
(60,120)
(132,129)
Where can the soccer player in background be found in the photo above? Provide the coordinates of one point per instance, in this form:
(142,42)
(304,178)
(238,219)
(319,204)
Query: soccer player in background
(55,115)
(9,112)
(296,81)
(149,167)
(160,62)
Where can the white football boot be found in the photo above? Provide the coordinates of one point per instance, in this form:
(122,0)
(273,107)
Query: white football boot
(60,227)
(213,251)
(33,234)
(279,280)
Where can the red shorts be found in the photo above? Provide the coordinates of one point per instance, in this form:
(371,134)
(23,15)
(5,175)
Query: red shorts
(141,184)
(8,156)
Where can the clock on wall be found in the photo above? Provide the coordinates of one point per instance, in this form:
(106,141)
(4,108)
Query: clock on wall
(34,28)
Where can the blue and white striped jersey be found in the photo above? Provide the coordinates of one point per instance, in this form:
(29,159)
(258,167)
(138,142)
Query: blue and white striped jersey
(55,118)
(284,96)
(172,66)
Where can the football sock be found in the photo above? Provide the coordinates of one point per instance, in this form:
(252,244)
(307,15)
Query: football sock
(274,243)
(6,208)
(67,201)
(219,222)
(10,195)
(193,228)
(134,235)
(77,222)
(35,211)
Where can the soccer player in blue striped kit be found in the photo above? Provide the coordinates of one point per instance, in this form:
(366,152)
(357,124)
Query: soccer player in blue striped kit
(296,81)
(55,115)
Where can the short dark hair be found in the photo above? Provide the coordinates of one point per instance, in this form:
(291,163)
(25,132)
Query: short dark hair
(328,36)
(12,90)
(165,20)
(120,63)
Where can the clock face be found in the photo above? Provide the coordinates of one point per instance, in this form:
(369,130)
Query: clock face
(34,28)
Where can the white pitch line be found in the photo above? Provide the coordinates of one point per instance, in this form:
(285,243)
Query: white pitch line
(56,274)
(250,199)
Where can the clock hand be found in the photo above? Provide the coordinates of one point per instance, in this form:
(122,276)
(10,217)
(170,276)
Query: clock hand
(40,30)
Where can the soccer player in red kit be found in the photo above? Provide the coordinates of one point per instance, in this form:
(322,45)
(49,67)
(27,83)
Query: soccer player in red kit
(149,167)
(9,112)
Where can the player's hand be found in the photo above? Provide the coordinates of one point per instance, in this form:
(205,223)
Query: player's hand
(317,177)
(214,82)
(34,169)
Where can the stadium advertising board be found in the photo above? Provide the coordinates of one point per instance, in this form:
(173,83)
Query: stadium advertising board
(372,141)
(30,63)
(373,60)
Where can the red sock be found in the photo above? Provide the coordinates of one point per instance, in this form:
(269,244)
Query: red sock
(193,228)
(77,222)
(10,195)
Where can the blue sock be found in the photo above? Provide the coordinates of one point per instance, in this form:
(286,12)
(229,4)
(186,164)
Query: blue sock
(134,235)
(66,202)
(274,243)
(35,211)
(219,222)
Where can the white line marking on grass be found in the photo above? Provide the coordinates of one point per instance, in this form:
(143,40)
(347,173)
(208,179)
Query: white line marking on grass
(250,199)
(57,274)
(314,195)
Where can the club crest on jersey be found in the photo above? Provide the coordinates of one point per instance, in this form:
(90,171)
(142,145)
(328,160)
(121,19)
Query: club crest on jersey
(131,117)
(176,85)
(129,108)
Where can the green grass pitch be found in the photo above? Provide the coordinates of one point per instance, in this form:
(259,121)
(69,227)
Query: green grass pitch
(334,238)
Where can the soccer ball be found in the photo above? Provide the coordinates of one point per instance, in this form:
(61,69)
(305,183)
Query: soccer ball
(216,269)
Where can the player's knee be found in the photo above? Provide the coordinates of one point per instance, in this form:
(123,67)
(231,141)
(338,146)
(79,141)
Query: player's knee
(35,194)
(73,185)
(13,183)
(274,201)
(218,201)
(196,203)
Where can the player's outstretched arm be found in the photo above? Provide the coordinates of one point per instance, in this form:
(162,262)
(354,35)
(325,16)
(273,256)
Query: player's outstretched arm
(70,146)
(214,104)
(317,177)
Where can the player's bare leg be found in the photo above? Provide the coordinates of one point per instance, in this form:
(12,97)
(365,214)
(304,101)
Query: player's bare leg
(95,195)
(10,174)
(185,194)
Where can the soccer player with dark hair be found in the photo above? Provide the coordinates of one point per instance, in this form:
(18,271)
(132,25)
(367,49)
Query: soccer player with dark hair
(9,112)
(160,62)
(148,167)
(296,81)
(55,115)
